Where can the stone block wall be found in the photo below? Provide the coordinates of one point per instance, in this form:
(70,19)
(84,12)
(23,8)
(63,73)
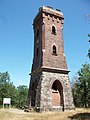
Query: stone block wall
(44,92)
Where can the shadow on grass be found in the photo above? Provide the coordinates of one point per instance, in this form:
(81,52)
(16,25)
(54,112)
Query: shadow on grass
(80,116)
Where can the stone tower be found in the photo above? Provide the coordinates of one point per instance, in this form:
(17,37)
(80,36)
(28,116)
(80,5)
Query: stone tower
(49,88)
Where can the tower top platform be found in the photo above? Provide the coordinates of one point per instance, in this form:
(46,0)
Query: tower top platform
(49,11)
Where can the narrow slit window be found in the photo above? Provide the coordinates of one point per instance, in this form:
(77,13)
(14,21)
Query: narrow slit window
(54,49)
(37,51)
(37,32)
(53,30)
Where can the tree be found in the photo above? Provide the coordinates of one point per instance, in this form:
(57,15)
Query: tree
(4,77)
(81,87)
(76,92)
(89,48)
(88,19)
(7,89)
(84,77)
(22,94)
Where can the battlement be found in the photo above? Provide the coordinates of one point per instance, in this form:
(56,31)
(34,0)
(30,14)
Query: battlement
(49,11)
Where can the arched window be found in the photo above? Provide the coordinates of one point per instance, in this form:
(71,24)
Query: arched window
(53,30)
(54,49)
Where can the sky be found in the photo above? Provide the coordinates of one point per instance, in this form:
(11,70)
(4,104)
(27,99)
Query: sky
(17,38)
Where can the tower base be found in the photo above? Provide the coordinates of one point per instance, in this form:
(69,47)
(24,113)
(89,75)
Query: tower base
(52,91)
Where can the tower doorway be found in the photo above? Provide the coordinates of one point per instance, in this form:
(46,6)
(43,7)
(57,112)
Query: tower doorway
(57,93)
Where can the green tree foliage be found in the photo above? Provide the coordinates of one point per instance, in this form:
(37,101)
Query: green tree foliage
(8,90)
(4,77)
(89,48)
(22,94)
(81,87)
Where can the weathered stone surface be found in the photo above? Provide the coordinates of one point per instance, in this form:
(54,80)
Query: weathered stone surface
(46,89)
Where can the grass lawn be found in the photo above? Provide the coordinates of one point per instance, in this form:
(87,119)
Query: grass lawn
(15,114)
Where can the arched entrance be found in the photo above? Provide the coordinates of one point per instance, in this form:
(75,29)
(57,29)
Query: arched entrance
(57,93)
